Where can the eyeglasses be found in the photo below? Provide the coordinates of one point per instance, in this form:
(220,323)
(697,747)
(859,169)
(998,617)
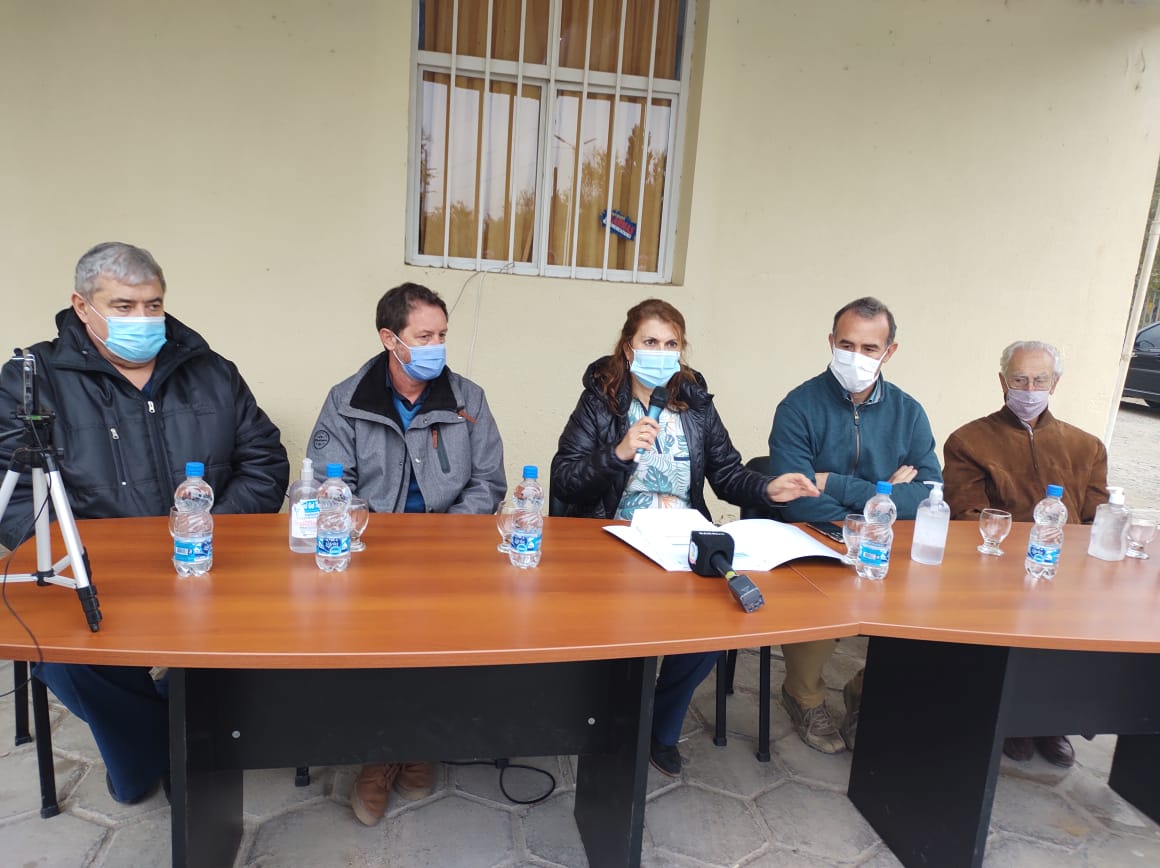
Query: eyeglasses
(1036,384)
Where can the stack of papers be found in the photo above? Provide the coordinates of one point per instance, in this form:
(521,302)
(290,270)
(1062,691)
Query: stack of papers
(761,544)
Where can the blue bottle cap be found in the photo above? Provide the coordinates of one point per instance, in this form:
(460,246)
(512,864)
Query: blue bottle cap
(334,470)
(531,471)
(194,468)
(884,487)
(1055,491)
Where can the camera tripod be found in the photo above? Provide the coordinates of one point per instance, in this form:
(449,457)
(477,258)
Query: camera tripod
(38,458)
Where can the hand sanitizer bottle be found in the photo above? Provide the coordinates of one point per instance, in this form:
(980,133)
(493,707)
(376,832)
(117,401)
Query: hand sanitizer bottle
(304,510)
(1110,530)
(931,523)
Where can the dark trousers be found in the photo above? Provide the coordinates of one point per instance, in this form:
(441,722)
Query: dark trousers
(128,714)
(680,674)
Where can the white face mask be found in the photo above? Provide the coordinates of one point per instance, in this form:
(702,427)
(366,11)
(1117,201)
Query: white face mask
(855,371)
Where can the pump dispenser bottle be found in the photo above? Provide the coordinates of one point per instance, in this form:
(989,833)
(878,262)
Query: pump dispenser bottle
(1110,529)
(304,510)
(931,523)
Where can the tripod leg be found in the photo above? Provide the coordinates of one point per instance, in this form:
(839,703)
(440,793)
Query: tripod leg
(86,591)
(44,568)
(7,487)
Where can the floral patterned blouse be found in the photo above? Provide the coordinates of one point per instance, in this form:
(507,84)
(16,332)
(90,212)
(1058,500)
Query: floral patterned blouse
(661,477)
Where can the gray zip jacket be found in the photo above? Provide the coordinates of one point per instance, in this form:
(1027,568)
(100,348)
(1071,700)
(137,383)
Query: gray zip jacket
(452,446)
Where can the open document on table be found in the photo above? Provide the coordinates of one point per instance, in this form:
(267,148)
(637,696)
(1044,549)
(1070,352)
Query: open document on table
(761,544)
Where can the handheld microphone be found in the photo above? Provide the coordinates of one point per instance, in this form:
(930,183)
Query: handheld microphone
(656,402)
(711,554)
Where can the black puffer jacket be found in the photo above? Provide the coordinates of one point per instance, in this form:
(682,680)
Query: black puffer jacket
(588,478)
(124,452)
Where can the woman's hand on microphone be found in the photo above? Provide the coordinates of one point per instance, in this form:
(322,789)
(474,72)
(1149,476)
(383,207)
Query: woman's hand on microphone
(790,486)
(642,435)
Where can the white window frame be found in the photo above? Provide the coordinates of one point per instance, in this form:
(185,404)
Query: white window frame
(550,78)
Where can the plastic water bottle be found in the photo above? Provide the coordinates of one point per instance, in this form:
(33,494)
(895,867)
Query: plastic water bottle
(303,497)
(192,523)
(1109,540)
(1047,535)
(332,547)
(877,534)
(931,523)
(528,521)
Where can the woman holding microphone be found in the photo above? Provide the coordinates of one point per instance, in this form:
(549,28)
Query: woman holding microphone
(599,471)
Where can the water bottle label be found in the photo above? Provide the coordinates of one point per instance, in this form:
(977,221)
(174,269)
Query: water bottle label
(873,554)
(525,543)
(188,551)
(333,544)
(1042,554)
(304,518)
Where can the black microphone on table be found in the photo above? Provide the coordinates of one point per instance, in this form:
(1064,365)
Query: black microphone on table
(711,554)
(656,402)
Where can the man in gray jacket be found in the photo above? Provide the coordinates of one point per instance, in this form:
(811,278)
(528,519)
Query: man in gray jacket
(412,437)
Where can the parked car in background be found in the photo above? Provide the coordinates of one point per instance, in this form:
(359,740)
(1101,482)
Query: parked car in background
(1144,369)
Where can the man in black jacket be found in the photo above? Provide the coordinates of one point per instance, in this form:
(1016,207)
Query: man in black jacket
(136,394)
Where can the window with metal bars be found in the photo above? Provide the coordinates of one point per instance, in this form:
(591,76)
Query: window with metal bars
(546,136)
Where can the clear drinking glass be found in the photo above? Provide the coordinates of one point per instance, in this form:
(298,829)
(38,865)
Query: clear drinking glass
(360,516)
(1141,531)
(504,516)
(852,534)
(994,525)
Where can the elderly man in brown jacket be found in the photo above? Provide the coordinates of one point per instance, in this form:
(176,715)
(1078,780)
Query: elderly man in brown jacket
(1007,460)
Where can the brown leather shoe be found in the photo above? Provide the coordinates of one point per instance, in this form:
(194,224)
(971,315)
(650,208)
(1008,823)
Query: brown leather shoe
(1019,749)
(1057,750)
(415,781)
(371,791)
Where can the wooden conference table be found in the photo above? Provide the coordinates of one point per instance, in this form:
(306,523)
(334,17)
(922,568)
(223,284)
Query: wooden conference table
(431,646)
(967,653)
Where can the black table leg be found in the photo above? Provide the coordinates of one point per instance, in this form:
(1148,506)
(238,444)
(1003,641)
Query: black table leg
(206,803)
(928,748)
(1135,768)
(610,787)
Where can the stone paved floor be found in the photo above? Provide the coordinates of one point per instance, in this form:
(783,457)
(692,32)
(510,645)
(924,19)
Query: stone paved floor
(727,809)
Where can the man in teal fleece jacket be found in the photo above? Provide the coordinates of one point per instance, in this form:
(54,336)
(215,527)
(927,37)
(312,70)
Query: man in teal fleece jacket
(847,428)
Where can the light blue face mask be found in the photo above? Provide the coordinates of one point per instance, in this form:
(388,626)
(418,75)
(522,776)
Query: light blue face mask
(133,338)
(426,363)
(655,368)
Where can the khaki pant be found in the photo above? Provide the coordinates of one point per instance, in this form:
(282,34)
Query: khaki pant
(804,662)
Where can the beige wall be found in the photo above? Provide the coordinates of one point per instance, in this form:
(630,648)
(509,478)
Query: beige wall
(982,166)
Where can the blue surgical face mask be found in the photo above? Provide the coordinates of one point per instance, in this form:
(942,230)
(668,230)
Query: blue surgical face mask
(133,338)
(426,363)
(655,368)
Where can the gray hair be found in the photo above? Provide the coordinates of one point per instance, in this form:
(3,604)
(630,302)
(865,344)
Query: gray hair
(867,307)
(1030,346)
(124,263)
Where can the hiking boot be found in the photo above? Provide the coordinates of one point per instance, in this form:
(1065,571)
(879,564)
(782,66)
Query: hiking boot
(1019,749)
(371,791)
(853,700)
(815,725)
(415,781)
(665,758)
